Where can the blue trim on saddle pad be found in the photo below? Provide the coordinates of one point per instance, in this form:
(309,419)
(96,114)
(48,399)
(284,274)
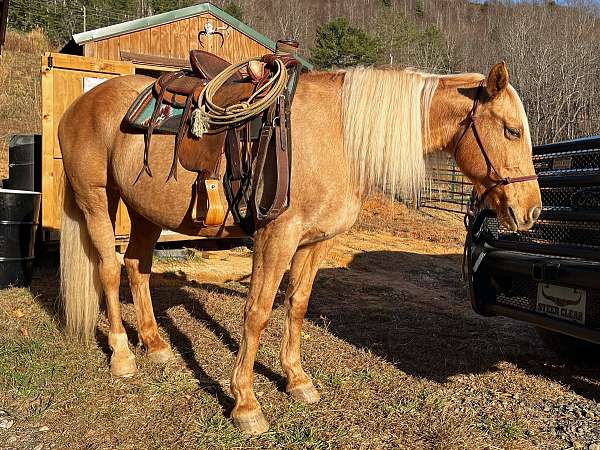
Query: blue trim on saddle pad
(141,110)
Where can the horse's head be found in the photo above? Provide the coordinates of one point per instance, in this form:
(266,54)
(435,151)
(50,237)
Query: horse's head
(493,149)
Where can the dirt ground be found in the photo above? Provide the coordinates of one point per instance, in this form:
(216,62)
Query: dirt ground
(400,358)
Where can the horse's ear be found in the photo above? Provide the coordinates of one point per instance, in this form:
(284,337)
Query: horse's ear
(497,80)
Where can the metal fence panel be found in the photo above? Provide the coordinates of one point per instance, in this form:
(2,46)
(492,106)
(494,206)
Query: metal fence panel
(447,188)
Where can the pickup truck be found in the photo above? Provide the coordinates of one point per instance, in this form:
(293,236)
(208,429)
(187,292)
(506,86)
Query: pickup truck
(548,276)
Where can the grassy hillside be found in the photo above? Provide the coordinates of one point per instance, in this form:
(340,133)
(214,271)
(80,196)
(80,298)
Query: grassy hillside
(20,90)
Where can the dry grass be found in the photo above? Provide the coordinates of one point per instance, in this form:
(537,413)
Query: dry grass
(381,214)
(20,87)
(400,358)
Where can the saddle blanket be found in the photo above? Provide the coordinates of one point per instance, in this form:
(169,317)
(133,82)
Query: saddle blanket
(141,110)
(169,117)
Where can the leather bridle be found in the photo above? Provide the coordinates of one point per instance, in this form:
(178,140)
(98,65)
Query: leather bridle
(470,124)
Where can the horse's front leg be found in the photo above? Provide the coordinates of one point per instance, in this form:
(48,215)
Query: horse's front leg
(305,264)
(274,246)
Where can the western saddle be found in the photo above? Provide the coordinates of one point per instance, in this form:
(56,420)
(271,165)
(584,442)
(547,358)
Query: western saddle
(257,149)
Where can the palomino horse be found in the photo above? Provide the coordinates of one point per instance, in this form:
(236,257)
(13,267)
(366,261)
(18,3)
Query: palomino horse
(361,129)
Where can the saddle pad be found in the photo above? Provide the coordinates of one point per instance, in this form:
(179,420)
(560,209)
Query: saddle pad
(169,120)
(140,113)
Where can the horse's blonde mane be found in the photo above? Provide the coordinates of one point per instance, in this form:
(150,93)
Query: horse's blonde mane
(386,119)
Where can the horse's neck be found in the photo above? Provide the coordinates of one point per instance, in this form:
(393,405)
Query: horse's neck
(446,116)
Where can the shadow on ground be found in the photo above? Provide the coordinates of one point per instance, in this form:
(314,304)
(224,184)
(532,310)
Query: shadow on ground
(425,325)
(172,292)
(410,309)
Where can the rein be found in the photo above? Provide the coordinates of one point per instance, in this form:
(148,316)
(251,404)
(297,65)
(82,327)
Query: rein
(471,125)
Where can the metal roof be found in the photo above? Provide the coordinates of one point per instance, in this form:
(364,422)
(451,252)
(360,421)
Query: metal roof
(173,16)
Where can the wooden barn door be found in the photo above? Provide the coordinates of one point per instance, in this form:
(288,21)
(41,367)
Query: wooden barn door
(64,78)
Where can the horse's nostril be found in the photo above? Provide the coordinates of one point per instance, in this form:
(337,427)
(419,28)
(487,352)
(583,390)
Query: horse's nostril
(535,213)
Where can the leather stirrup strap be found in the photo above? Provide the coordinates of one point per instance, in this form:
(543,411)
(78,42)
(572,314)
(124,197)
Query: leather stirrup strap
(264,141)
(232,144)
(153,123)
(280,147)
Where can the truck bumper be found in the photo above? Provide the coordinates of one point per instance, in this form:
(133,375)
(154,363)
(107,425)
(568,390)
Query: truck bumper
(504,283)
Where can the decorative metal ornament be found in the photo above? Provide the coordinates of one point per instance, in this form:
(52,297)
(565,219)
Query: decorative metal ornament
(210,30)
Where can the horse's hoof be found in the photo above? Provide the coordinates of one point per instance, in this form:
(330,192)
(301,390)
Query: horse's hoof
(161,356)
(252,424)
(305,394)
(123,367)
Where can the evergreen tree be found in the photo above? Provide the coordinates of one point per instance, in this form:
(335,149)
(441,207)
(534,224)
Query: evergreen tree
(430,49)
(339,44)
(235,10)
(420,8)
(397,34)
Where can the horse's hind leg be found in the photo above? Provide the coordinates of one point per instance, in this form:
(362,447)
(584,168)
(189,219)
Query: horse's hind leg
(305,264)
(138,261)
(97,205)
(274,246)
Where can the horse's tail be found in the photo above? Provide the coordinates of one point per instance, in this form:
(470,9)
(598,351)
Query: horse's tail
(79,279)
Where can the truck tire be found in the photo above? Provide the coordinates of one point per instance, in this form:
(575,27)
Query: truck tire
(569,348)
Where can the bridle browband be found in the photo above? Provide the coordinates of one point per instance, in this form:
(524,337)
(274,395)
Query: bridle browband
(470,125)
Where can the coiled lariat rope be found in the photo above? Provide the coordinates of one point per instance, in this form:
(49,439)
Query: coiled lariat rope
(212,118)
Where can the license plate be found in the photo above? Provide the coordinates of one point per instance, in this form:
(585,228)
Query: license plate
(562,163)
(562,302)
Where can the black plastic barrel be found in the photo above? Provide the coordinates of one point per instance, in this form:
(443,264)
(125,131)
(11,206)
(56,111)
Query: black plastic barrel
(25,162)
(19,216)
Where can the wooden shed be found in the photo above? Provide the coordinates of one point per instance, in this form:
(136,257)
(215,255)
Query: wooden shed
(149,46)
(3,21)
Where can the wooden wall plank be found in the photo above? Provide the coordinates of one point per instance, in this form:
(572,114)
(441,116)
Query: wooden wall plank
(106,51)
(154,35)
(182,38)
(140,59)
(165,40)
(134,42)
(47,145)
(171,33)
(90,49)
(124,44)
(73,62)
(99,49)
(145,41)
(193,31)
(113,49)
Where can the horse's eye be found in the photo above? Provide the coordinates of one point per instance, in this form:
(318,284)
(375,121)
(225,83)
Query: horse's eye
(512,133)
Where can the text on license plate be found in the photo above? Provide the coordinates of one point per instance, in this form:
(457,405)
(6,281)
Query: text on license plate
(562,302)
